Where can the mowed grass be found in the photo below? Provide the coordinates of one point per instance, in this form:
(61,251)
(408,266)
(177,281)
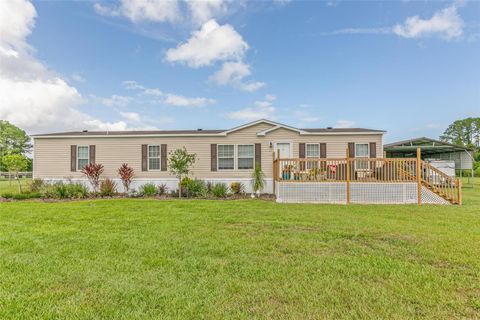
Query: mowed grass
(11,186)
(151,259)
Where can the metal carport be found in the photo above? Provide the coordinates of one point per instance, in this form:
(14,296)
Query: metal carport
(432,149)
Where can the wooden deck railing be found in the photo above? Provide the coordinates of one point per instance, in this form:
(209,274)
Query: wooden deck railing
(343,169)
(374,170)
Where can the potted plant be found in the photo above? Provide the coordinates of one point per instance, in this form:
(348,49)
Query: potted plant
(287,169)
(258,180)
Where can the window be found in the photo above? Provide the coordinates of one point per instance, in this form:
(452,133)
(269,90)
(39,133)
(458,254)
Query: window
(245,156)
(82,157)
(153,157)
(226,157)
(312,150)
(361,151)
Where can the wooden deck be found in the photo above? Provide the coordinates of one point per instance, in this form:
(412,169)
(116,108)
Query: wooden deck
(371,170)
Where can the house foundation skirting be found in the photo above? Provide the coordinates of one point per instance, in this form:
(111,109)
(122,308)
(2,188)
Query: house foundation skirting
(360,192)
(171,183)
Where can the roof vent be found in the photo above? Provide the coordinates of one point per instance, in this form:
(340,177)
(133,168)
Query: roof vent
(199,129)
(329,128)
(84,130)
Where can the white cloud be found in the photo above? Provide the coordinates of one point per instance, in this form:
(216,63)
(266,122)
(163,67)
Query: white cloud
(78,77)
(32,96)
(261,109)
(168,98)
(213,42)
(131,116)
(381,30)
(143,10)
(304,116)
(181,101)
(445,23)
(116,101)
(233,74)
(153,92)
(344,124)
(132,85)
(205,10)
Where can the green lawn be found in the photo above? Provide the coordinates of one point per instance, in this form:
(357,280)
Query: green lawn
(7,186)
(150,259)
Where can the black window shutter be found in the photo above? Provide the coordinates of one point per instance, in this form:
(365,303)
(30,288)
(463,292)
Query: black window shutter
(91,154)
(351,149)
(144,157)
(163,159)
(73,158)
(323,150)
(258,155)
(213,157)
(373,149)
(301,150)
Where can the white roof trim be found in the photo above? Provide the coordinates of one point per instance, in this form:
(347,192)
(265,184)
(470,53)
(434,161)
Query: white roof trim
(264,132)
(221,134)
(252,124)
(342,133)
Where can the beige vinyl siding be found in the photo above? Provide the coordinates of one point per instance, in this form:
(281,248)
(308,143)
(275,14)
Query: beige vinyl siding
(52,155)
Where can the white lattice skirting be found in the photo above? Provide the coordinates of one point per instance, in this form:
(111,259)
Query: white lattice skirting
(360,192)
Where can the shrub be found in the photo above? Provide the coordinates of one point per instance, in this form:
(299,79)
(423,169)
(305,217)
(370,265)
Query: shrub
(149,190)
(258,179)
(179,163)
(162,189)
(209,186)
(126,175)
(220,190)
(77,190)
(36,185)
(93,171)
(237,188)
(108,188)
(195,188)
(22,196)
(62,190)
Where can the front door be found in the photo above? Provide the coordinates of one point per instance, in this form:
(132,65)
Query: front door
(284,148)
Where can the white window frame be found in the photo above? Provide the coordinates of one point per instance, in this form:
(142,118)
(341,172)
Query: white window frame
(237,156)
(282,142)
(311,165)
(362,157)
(88,156)
(310,144)
(159,157)
(234,156)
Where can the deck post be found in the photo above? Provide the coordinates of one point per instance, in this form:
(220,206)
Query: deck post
(459,191)
(274,175)
(419,178)
(347,178)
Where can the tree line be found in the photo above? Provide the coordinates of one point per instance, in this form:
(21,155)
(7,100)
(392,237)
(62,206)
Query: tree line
(15,148)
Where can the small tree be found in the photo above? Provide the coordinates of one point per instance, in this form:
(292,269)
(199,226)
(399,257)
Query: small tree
(179,164)
(15,163)
(258,180)
(126,175)
(93,171)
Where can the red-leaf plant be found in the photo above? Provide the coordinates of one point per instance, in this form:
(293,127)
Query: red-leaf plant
(126,175)
(93,172)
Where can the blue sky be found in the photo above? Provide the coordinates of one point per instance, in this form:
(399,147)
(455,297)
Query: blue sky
(408,67)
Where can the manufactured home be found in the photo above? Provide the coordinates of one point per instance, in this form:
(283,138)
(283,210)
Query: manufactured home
(319,165)
(222,155)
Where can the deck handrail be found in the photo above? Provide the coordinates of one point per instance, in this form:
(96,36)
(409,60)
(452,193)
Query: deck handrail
(374,170)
